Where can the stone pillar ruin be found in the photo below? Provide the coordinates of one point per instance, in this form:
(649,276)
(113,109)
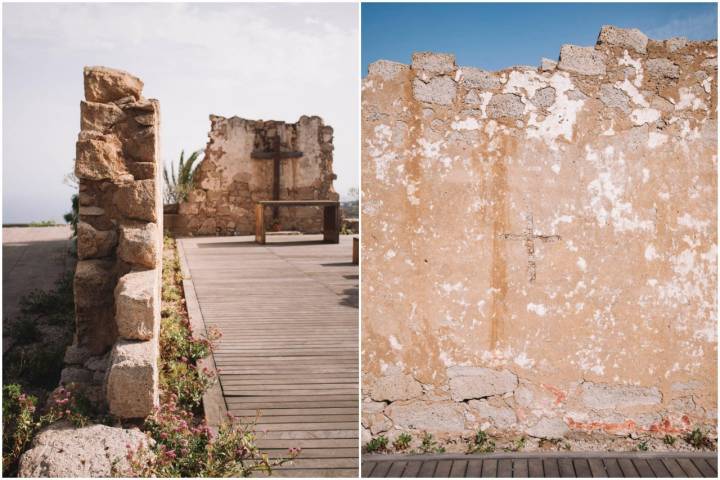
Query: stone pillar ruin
(232,176)
(119,245)
(549,236)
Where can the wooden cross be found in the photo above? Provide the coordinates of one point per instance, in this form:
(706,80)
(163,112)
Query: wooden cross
(529,237)
(275,155)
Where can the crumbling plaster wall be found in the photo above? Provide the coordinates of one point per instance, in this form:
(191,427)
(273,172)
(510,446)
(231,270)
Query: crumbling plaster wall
(119,245)
(539,244)
(229,182)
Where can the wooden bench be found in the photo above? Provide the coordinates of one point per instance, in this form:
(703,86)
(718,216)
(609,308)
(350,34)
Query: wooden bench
(331,217)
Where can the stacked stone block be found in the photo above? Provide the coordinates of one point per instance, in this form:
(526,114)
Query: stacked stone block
(118,276)
(229,182)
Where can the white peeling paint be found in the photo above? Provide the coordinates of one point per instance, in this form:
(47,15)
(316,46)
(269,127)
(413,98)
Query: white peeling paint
(641,116)
(656,139)
(537,309)
(394,344)
(582,264)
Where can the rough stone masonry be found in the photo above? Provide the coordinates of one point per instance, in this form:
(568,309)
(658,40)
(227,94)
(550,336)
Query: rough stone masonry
(540,243)
(232,177)
(118,276)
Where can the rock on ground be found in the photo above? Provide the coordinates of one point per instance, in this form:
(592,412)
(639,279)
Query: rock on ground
(62,450)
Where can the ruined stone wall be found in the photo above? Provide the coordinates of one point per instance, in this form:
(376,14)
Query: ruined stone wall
(539,244)
(119,246)
(229,182)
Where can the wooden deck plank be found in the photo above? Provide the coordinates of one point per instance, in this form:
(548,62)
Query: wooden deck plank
(535,467)
(443,468)
(520,467)
(504,469)
(658,468)
(612,467)
(489,469)
(458,468)
(704,467)
(627,467)
(643,468)
(289,317)
(427,469)
(551,467)
(597,468)
(674,467)
(412,469)
(367,468)
(689,467)
(474,469)
(582,468)
(566,467)
(397,469)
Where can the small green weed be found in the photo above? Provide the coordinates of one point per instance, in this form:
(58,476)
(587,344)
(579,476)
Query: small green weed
(402,442)
(481,443)
(643,446)
(698,439)
(669,440)
(429,445)
(378,444)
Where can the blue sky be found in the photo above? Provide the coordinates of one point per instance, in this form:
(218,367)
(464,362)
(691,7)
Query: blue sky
(495,36)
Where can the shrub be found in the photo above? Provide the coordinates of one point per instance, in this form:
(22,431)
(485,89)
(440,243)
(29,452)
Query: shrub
(669,440)
(25,331)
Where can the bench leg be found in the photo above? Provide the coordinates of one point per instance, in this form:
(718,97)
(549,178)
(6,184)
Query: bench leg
(331,224)
(356,251)
(260,224)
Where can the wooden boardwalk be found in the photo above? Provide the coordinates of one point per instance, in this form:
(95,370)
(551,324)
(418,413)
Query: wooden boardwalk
(610,464)
(288,311)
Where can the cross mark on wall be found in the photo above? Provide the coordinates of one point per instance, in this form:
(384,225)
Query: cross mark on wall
(529,236)
(276,155)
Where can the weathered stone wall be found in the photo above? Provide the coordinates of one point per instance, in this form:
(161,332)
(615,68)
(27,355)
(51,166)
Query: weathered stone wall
(118,276)
(539,244)
(229,182)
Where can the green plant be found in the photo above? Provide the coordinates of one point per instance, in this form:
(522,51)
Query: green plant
(643,446)
(19,425)
(402,442)
(21,420)
(517,445)
(481,443)
(178,186)
(184,448)
(43,223)
(180,350)
(58,301)
(698,439)
(25,331)
(377,444)
(36,367)
(669,440)
(73,216)
(429,445)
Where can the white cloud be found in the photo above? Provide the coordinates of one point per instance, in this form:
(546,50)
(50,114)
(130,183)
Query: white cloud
(696,27)
(259,61)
